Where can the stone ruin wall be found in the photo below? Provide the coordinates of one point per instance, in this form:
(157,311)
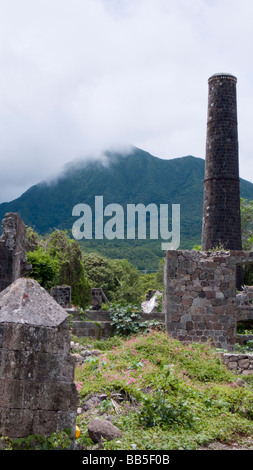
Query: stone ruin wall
(200,296)
(37,390)
(62,295)
(13,262)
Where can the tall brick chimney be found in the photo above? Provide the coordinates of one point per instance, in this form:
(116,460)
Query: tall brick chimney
(221,210)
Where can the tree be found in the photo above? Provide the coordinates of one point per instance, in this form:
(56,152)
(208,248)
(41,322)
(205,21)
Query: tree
(127,277)
(45,269)
(100,273)
(57,260)
(117,277)
(33,240)
(247,224)
(247,236)
(68,254)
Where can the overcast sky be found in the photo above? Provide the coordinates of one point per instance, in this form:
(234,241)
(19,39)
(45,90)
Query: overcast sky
(81,76)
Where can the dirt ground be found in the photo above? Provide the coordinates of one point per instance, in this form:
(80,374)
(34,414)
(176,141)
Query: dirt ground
(245,443)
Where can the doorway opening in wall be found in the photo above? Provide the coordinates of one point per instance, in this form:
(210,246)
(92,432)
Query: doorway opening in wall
(244,301)
(248,275)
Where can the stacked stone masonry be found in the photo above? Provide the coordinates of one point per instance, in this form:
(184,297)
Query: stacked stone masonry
(221,208)
(239,363)
(13,261)
(244,305)
(62,295)
(200,295)
(37,390)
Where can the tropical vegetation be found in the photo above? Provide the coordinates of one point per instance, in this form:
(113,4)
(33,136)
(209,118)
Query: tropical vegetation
(163,394)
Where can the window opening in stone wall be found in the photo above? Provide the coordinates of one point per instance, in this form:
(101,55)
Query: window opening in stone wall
(244,308)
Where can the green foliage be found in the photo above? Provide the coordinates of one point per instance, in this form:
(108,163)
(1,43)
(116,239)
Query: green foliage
(71,270)
(164,410)
(33,240)
(45,269)
(241,348)
(247,223)
(107,345)
(57,260)
(119,280)
(126,320)
(56,441)
(127,278)
(100,273)
(152,281)
(243,329)
(174,395)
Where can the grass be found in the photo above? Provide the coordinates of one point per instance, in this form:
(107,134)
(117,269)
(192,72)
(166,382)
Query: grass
(173,395)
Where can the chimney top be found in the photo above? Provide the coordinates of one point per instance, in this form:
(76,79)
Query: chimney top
(218,76)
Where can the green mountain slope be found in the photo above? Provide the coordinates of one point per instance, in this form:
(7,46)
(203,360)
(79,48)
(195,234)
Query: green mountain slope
(134,178)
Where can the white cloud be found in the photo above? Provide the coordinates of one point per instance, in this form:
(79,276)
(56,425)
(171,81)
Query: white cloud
(81,76)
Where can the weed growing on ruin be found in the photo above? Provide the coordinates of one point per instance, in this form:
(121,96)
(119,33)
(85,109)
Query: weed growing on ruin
(56,441)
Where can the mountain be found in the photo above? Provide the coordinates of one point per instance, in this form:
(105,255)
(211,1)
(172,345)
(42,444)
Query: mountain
(137,177)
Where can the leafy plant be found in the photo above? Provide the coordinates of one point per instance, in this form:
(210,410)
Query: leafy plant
(56,441)
(126,320)
(244,348)
(163,409)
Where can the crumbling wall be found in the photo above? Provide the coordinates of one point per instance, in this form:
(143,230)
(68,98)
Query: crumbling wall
(13,261)
(37,390)
(200,295)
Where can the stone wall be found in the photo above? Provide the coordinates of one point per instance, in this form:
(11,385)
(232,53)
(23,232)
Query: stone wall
(94,324)
(200,295)
(97,324)
(244,305)
(239,363)
(13,262)
(62,295)
(37,390)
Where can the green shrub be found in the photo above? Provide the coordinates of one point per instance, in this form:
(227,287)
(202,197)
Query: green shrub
(126,321)
(56,441)
(45,269)
(168,410)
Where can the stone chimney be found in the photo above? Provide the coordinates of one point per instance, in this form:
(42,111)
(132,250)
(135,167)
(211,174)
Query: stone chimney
(221,210)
